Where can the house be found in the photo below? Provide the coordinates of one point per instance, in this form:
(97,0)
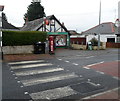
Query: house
(54,28)
(9,27)
(107,32)
(48,24)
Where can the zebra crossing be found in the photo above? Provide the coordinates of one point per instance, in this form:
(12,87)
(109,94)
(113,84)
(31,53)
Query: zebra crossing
(30,69)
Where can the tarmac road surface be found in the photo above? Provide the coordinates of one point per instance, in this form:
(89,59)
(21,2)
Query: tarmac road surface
(71,74)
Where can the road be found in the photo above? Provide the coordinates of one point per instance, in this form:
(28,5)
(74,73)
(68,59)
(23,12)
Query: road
(71,74)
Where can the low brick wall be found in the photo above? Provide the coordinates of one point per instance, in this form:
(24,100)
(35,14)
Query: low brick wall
(112,45)
(18,49)
(80,47)
(84,47)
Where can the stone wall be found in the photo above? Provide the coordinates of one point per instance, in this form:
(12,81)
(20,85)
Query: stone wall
(80,47)
(18,49)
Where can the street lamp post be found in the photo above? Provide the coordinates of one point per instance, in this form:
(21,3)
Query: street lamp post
(99,26)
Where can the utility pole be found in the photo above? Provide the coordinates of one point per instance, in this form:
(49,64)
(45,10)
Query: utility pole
(99,26)
(119,18)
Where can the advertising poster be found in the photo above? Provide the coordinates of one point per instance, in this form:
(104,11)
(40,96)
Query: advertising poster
(61,40)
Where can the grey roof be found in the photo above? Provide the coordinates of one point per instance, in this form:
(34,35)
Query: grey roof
(36,24)
(8,26)
(32,25)
(104,28)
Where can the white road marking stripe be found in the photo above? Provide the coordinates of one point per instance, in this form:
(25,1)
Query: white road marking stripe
(100,72)
(100,93)
(33,72)
(23,62)
(95,64)
(116,78)
(18,81)
(75,64)
(48,79)
(54,93)
(67,61)
(89,57)
(31,66)
(59,59)
(86,67)
(26,93)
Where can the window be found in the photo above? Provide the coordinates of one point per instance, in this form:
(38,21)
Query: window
(111,40)
(118,39)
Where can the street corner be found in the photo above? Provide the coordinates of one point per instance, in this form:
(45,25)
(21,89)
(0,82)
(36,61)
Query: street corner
(110,68)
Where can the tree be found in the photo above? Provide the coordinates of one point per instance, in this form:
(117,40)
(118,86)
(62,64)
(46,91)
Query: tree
(35,11)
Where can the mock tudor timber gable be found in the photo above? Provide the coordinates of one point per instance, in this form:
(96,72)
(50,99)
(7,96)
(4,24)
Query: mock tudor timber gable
(47,24)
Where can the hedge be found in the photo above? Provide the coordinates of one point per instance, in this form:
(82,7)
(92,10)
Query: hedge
(16,38)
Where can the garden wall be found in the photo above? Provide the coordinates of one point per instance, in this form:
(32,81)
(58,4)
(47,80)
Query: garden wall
(112,45)
(18,49)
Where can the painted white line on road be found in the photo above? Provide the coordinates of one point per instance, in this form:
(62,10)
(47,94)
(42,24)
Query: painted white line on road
(18,81)
(67,61)
(25,62)
(75,64)
(25,93)
(92,83)
(48,79)
(16,77)
(21,86)
(114,77)
(60,59)
(31,66)
(89,97)
(95,64)
(33,72)
(89,57)
(86,67)
(56,93)
(100,72)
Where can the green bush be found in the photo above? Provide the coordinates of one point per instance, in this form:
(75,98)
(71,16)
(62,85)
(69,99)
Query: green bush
(94,42)
(16,38)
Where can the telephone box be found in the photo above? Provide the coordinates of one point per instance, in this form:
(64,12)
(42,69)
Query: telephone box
(51,45)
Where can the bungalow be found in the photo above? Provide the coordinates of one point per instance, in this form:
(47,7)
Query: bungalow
(51,25)
(107,32)
(9,27)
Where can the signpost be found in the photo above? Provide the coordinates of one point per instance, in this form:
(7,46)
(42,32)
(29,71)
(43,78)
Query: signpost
(1,9)
(1,53)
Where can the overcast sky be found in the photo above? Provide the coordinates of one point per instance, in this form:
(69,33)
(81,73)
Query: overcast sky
(77,15)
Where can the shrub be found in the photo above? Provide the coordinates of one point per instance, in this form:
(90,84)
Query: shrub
(94,42)
(16,38)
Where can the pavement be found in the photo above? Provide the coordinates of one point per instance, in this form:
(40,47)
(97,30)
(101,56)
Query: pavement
(110,68)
